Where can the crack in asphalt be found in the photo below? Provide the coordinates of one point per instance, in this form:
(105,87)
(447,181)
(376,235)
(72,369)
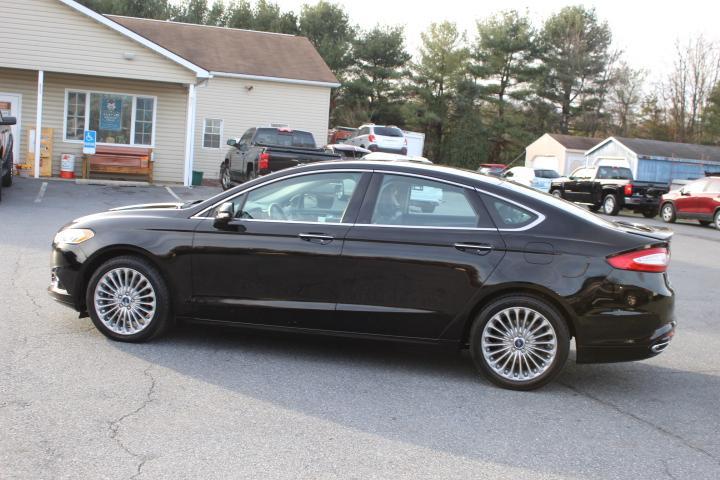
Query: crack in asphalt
(114,425)
(635,417)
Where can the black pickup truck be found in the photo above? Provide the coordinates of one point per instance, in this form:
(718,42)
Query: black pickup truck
(262,150)
(609,188)
(6,151)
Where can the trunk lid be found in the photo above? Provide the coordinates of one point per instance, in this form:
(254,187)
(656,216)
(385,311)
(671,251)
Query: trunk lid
(662,234)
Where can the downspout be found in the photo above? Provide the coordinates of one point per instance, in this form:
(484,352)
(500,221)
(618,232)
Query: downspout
(190,129)
(38,121)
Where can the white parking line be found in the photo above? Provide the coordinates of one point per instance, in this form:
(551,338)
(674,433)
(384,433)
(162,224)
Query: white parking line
(170,191)
(41,193)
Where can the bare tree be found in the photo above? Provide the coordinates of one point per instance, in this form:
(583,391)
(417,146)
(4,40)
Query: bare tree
(695,71)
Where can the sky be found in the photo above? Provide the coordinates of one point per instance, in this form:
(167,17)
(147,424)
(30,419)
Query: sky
(646,31)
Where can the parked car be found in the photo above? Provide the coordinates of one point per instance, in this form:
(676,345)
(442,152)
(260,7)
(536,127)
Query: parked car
(698,200)
(6,151)
(347,151)
(380,138)
(539,179)
(336,248)
(494,169)
(610,188)
(263,150)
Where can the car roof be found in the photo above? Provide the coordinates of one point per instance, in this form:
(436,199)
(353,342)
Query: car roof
(441,171)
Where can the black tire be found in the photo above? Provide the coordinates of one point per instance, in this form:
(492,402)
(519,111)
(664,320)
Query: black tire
(557,193)
(649,213)
(610,205)
(717,219)
(225,180)
(161,318)
(667,213)
(523,301)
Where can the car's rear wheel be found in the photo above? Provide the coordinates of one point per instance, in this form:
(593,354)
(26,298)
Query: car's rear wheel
(667,212)
(127,300)
(225,180)
(519,342)
(610,205)
(717,219)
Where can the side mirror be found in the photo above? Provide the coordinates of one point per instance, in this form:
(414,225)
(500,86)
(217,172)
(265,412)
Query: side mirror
(224,215)
(7,120)
(232,142)
(684,192)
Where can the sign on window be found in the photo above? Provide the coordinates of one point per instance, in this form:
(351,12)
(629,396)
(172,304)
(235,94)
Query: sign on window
(111,113)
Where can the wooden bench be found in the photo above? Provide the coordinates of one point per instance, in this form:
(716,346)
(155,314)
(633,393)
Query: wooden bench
(122,160)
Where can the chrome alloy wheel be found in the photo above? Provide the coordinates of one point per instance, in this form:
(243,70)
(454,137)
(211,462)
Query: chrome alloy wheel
(519,343)
(225,178)
(125,301)
(609,204)
(667,212)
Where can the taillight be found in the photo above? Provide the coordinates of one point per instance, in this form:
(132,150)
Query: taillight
(654,259)
(371,138)
(264,161)
(628,190)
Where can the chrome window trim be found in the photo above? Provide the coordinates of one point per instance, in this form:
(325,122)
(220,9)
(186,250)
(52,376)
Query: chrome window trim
(299,174)
(540,217)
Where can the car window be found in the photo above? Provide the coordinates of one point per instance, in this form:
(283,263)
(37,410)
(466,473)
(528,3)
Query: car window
(696,187)
(507,214)
(284,138)
(320,197)
(247,136)
(547,174)
(713,186)
(388,131)
(614,173)
(417,202)
(582,173)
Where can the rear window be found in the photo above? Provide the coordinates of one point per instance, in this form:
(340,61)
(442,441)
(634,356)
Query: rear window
(285,138)
(547,174)
(388,131)
(614,173)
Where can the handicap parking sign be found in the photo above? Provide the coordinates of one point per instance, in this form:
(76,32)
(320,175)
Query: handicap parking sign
(89,142)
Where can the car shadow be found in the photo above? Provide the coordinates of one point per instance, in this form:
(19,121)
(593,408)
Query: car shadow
(433,398)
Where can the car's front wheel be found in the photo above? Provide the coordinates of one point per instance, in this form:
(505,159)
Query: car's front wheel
(128,300)
(519,342)
(225,180)
(556,193)
(667,212)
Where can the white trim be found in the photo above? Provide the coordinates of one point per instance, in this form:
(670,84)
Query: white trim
(294,81)
(86,126)
(38,120)
(608,140)
(190,135)
(199,71)
(222,127)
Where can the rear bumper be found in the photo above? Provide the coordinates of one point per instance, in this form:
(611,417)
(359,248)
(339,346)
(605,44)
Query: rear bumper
(656,344)
(642,202)
(400,151)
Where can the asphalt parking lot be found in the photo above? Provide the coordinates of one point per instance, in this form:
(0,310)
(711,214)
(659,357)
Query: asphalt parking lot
(218,403)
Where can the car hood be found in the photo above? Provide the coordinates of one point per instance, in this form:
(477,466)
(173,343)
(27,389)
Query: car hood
(663,234)
(148,206)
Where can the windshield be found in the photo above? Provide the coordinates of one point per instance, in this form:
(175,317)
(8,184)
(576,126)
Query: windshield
(388,131)
(284,138)
(547,174)
(614,173)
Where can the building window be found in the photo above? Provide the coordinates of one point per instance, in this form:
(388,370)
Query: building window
(212,133)
(117,118)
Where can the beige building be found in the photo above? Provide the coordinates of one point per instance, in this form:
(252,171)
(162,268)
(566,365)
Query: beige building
(179,89)
(562,153)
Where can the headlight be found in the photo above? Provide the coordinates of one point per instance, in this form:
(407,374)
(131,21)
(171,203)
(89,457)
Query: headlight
(73,236)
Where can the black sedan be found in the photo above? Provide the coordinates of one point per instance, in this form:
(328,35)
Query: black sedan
(342,248)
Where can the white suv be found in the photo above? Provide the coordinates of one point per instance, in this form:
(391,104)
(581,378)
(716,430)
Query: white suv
(380,138)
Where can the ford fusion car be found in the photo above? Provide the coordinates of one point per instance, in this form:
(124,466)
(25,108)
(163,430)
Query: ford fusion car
(342,248)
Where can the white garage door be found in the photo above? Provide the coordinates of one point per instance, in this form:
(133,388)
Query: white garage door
(546,163)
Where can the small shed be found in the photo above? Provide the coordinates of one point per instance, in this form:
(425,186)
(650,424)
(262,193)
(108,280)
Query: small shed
(562,153)
(658,161)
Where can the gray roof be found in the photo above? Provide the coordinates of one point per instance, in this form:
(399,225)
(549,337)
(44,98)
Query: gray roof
(657,148)
(576,143)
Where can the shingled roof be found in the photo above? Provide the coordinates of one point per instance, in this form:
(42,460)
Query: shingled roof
(576,143)
(235,51)
(657,148)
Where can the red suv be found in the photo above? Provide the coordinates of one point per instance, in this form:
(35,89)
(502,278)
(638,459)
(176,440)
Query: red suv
(698,200)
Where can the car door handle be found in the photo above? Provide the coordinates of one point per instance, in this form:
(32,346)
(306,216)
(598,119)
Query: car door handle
(476,248)
(316,238)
